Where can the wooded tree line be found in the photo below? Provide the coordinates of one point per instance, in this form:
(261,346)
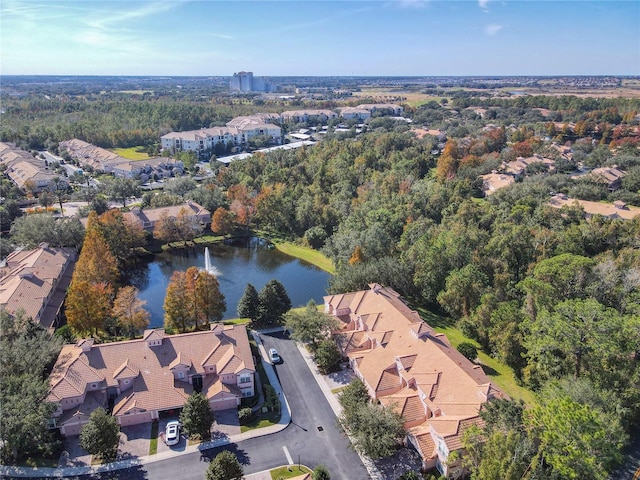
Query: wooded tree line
(545,290)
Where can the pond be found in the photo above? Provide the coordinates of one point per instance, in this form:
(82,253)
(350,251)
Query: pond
(247,261)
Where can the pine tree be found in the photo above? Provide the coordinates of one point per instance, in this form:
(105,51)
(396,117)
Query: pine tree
(249,303)
(196,416)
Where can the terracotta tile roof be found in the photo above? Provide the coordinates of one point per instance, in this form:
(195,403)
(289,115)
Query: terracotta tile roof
(30,279)
(154,386)
(609,210)
(413,367)
(426,445)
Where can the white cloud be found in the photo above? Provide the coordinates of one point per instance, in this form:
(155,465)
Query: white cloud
(492,29)
(483,4)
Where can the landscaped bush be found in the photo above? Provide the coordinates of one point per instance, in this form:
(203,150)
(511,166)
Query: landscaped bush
(245,415)
(468,350)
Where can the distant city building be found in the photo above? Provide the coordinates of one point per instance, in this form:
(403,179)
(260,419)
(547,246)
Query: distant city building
(246,82)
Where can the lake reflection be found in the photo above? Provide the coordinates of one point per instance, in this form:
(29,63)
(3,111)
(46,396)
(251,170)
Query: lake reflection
(248,262)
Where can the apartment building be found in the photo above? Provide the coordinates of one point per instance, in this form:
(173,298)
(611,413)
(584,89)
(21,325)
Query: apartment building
(409,367)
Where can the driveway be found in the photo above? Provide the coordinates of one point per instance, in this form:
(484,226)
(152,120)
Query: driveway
(134,441)
(225,424)
(163,447)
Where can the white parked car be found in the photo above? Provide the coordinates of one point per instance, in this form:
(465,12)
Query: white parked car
(273,355)
(172,433)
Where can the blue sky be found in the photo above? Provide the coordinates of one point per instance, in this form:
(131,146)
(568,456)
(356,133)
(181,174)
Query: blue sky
(394,37)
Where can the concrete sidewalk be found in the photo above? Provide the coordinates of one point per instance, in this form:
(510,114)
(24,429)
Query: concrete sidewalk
(285,419)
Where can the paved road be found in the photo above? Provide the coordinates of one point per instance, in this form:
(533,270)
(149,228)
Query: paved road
(302,437)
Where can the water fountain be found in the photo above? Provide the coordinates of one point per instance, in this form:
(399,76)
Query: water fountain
(207,264)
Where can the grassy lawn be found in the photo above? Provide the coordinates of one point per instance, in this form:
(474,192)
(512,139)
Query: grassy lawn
(288,472)
(237,321)
(132,153)
(310,255)
(501,374)
(262,420)
(153,444)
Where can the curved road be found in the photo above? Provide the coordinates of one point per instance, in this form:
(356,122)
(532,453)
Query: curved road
(302,439)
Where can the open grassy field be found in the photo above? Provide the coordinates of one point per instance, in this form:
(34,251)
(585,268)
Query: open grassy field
(415,99)
(132,153)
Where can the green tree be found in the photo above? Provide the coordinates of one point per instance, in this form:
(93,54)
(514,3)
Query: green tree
(26,351)
(196,416)
(121,189)
(320,473)
(100,436)
(463,290)
(469,351)
(311,325)
(249,304)
(327,356)
(574,438)
(274,303)
(579,334)
(225,466)
(555,279)
(32,230)
(375,432)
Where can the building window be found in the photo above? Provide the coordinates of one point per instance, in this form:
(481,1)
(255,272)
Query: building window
(94,385)
(247,393)
(126,382)
(245,379)
(180,374)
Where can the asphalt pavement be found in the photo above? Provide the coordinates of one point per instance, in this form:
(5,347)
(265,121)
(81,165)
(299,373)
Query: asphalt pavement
(311,438)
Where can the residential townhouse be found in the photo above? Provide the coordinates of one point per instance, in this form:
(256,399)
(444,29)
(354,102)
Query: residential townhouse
(28,172)
(410,368)
(95,157)
(518,167)
(610,176)
(150,376)
(36,281)
(149,217)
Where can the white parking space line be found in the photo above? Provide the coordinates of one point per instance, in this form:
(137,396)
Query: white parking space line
(288,455)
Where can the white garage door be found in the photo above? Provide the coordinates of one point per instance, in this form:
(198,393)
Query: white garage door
(223,404)
(135,418)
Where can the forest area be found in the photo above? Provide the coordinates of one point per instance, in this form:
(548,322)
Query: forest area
(549,292)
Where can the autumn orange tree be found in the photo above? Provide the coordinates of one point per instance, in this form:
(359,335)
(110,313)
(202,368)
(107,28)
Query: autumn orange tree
(96,262)
(88,305)
(222,221)
(183,227)
(129,310)
(88,302)
(193,299)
